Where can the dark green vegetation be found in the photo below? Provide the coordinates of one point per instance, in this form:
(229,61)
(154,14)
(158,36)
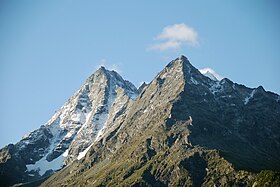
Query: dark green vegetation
(160,158)
(266,178)
(31,183)
(155,142)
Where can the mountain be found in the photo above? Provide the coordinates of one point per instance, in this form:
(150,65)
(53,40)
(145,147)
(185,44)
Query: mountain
(184,129)
(181,129)
(70,132)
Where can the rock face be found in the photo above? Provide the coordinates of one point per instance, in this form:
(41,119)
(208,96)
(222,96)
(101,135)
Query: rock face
(184,129)
(181,129)
(70,132)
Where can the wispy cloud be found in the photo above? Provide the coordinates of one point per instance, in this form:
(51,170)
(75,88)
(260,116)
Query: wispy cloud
(174,37)
(103,62)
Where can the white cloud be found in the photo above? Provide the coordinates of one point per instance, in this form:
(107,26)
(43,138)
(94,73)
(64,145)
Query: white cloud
(166,45)
(103,62)
(174,36)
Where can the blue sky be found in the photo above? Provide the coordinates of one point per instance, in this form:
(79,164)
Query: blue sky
(49,48)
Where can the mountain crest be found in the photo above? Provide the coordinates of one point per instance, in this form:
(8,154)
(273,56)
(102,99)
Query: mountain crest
(177,63)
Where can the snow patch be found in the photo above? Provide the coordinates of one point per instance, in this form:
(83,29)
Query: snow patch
(65,154)
(217,87)
(69,135)
(247,99)
(194,81)
(83,153)
(26,136)
(88,116)
(210,73)
(146,110)
(43,165)
(101,124)
(78,117)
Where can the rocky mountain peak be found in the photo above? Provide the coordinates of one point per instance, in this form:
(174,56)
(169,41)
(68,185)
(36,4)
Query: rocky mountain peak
(71,131)
(178,62)
(184,129)
(190,73)
(114,76)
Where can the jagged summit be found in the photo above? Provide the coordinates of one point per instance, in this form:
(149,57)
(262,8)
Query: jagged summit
(183,58)
(102,68)
(180,60)
(112,75)
(190,69)
(187,69)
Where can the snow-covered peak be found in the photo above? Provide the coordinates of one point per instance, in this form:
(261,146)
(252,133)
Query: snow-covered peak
(72,130)
(210,73)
